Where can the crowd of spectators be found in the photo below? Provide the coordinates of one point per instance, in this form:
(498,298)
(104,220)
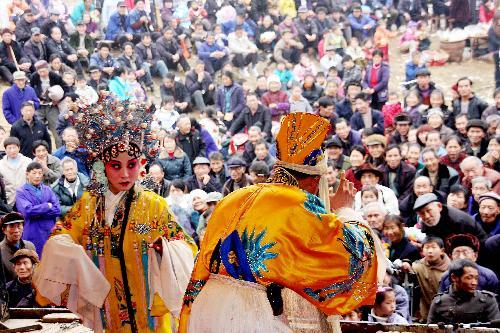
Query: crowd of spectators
(220,75)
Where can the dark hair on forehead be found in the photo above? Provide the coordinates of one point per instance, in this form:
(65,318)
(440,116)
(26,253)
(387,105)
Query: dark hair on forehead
(457,267)
(436,240)
(34,166)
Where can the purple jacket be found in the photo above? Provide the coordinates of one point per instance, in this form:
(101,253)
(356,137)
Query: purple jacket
(381,88)
(237,99)
(12,99)
(39,218)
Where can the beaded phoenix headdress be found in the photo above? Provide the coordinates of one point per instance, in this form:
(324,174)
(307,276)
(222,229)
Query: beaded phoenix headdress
(110,127)
(299,147)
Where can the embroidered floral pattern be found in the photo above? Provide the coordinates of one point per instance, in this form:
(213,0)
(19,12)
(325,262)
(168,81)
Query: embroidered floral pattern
(257,253)
(314,205)
(359,244)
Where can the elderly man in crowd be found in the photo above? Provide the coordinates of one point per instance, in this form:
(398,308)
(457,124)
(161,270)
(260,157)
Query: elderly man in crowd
(14,96)
(12,228)
(239,178)
(375,213)
(489,213)
(442,221)
(20,290)
(70,186)
(29,129)
(473,167)
(466,246)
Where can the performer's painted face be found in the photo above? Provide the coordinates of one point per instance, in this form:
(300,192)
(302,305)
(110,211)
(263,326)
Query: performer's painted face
(122,172)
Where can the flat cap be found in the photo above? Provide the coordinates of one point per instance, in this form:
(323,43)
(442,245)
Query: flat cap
(11,218)
(25,253)
(424,200)
(489,195)
(201,160)
(477,123)
(236,162)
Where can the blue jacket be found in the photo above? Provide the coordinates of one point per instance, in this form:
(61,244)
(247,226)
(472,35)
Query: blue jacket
(96,60)
(344,109)
(120,89)
(382,86)
(39,218)
(78,11)
(79,155)
(115,28)
(204,50)
(176,167)
(237,99)
(377,121)
(210,144)
(359,23)
(487,280)
(491,231)
(12,99)
(411,70)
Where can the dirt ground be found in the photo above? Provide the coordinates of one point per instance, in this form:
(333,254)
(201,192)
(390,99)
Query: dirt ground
(481,73)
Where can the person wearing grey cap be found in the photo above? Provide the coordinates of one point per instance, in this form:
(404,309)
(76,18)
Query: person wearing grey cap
(442,221)
(24,26)
(489,213)
(202,178)
(35,48)
(54,21)
(239,178)
(12,228)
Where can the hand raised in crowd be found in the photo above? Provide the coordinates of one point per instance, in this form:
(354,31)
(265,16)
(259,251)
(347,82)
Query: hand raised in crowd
(344,196)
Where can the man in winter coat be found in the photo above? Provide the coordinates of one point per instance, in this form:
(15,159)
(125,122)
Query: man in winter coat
(442,221)
(14,96)
(13,168)
(29,129)
(70,187)
(39,206)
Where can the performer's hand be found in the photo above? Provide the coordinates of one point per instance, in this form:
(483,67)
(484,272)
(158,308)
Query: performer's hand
(157,245)
(344,196)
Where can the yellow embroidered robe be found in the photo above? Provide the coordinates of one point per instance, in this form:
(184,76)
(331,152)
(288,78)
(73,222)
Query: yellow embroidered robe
(277,233)
(112,249)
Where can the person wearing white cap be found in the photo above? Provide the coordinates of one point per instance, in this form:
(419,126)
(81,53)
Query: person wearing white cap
(435,118)
(275,98)
(14,96)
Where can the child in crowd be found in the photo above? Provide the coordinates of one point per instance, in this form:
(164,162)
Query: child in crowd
(334,37)
(368,49)
(429,271)
(136,90)
(166,117)
(368,194)
(352,72)
(356,52)
(413,106)
(299,103)
(382,37)
(385,306)
(86,93)
(69,79)
(413,65)
(391,109)
(261,86)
